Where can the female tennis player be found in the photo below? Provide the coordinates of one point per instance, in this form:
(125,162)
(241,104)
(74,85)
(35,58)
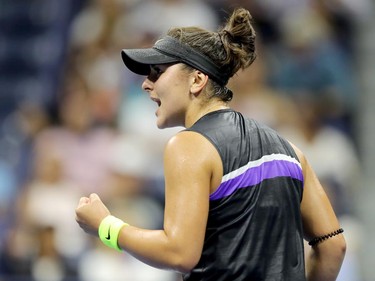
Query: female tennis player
(239,198)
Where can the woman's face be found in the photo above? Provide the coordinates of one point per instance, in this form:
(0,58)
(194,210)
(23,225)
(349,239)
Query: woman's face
(168,85)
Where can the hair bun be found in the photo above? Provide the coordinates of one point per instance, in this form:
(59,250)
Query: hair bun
(238,37)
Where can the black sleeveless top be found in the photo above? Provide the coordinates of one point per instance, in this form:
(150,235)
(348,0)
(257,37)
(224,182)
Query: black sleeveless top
(254,228)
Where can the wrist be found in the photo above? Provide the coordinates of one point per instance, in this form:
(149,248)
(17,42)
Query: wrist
(109,230)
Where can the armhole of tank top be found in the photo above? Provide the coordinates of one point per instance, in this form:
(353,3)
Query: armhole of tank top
(213,144)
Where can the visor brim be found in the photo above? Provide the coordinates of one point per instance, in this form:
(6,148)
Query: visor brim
(139,60)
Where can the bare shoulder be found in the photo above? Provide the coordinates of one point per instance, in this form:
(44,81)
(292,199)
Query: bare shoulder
(188,143)
(190,154)
(300,154)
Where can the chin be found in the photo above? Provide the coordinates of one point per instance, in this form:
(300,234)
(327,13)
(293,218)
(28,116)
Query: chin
(169,121)
(161,125)
(165,125)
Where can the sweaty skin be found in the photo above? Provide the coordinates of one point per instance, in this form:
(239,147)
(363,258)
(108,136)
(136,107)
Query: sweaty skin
(192,173)
(325,259)
(193,170)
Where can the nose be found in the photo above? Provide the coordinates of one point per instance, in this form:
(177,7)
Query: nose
(147,85)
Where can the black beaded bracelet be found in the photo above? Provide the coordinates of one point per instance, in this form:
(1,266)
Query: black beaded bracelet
(319,239)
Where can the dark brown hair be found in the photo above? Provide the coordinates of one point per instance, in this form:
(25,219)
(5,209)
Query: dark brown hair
(231,48)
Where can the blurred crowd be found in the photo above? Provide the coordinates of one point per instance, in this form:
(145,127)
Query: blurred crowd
(74,120)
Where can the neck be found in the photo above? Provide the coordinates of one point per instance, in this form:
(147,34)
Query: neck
(194,115)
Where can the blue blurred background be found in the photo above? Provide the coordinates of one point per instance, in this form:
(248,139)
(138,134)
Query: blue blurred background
(73,121)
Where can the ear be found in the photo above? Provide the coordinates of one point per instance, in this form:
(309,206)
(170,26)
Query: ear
(199,81)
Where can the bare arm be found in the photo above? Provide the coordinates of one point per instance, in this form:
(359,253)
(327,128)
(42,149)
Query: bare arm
(325,258)
(179,244)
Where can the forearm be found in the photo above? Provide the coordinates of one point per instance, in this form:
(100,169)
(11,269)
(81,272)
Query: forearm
(155,248)
(324,260)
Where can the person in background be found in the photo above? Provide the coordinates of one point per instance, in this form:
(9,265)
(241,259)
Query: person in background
(239,198)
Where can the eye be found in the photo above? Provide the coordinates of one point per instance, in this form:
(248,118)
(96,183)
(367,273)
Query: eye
(156,71)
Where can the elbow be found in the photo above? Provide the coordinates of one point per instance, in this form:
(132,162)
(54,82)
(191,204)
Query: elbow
(334,248)
(337,255)
(185,262)
(342,247)
(184,268)
(339,245)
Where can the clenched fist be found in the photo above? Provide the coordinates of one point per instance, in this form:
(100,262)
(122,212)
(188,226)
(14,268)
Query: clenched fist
(90,212)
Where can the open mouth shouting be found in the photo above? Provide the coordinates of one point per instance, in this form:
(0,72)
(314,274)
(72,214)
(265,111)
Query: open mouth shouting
(157,101)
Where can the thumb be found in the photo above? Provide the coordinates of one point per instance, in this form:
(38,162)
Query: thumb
(94,197)
(82,202)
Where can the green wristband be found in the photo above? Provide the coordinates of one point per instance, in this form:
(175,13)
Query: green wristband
(109,230)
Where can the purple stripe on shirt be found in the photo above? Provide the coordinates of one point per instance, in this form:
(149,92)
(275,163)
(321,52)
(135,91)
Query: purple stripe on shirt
(255,175)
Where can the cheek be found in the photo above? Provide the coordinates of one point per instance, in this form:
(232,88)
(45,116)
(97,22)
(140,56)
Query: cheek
(174,104)
(173,108)
(174,91)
